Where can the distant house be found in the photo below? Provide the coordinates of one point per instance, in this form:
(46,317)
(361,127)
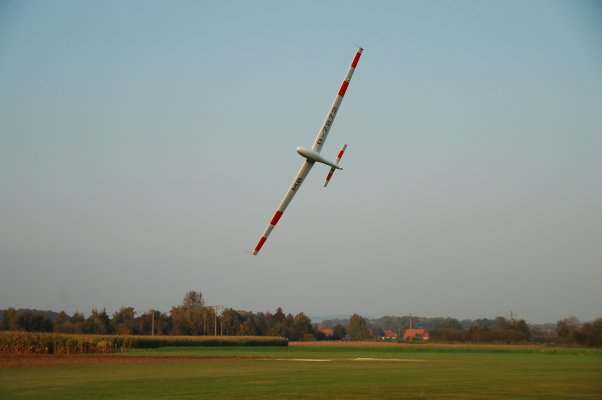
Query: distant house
(416,334)
(389,335)
(325,331)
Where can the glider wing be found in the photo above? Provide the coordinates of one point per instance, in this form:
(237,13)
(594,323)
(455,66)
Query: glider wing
(332,112)
(303,171)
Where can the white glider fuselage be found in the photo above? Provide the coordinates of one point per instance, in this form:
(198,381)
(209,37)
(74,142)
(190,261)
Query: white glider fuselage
(313,155)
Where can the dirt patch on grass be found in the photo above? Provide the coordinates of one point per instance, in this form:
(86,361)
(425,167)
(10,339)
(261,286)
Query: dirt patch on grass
(31,360)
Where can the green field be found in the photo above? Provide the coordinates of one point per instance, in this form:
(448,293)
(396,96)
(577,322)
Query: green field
(406,372)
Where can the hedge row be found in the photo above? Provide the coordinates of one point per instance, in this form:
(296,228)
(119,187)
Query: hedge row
(49,343)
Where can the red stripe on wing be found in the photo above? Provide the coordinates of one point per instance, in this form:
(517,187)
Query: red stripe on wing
(356,59)
(276,218)
(343,88)
(260,243)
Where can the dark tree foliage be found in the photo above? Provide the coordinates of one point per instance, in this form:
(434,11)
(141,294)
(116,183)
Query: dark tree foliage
(358,328)
(124,321)
(97,322)
(193,299)
(522,327)
(78,318)
(445,329)
(590,333)
(33,322)
(339,332)
(566,328)
(64,324)
(231,321)
(192,317)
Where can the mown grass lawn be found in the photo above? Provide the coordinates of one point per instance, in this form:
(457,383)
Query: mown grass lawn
(391,373)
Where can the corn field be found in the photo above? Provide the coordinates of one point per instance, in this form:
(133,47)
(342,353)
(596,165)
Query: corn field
(50,343)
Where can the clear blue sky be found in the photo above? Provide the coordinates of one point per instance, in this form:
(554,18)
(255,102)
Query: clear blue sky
(145,145)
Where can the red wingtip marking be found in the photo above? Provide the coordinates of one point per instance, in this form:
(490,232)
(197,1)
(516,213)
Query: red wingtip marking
(356,59)
(276,218)
(260,243)
(343,88)
(340,153)
(329,176)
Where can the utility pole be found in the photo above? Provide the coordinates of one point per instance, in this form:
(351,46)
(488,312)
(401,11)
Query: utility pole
(152,322)
(216,308)
(512,315)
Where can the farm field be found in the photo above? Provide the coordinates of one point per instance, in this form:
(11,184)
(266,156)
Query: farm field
(302,371)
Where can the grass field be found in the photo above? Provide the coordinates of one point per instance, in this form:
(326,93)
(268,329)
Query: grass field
(311,372)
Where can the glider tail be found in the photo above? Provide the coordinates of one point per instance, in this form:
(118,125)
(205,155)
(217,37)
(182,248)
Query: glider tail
(331,172)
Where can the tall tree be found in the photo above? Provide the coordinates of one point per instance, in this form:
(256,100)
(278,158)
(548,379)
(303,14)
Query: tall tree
(231,321)
(97,322)
(302,325)
(566,328)
(288,328)
(248,328)
(61,318)
(264,323)
(78,318)
(64,324)
(123,321)
(590,333)
(192,317)
(358,328)
(193,299)
(278,323)
(339,332)
(523,328)
(10,319)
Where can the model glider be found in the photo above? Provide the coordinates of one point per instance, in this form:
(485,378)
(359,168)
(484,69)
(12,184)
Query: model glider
(313,155)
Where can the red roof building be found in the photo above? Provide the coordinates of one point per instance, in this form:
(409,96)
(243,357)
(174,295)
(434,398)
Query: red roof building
(416,334)
(389,334)
(327,332)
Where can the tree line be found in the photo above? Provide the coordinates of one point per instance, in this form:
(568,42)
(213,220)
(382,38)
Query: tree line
(569,331)
(191,317)
(194,317)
